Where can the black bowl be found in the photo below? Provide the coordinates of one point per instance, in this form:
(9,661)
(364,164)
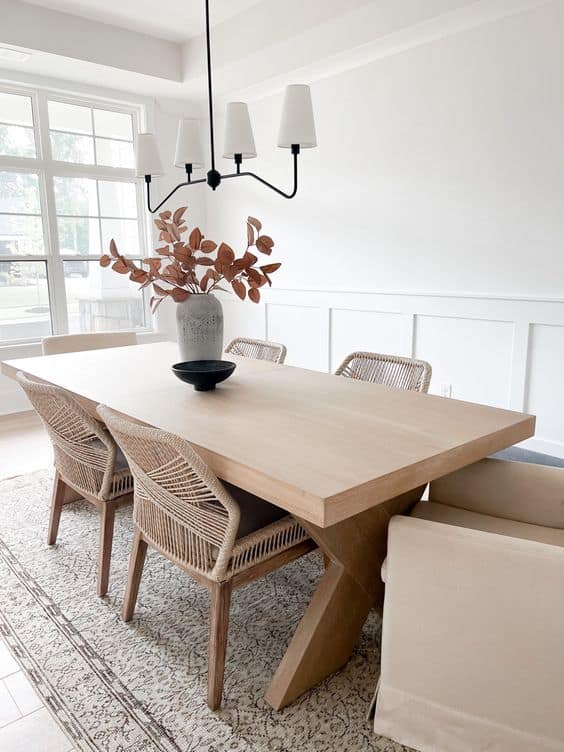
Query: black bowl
(204,374)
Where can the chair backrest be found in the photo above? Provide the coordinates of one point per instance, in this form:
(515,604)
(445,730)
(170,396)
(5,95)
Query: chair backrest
(179,504)
(85,453)
(258,349)
(64,343)
(391,370)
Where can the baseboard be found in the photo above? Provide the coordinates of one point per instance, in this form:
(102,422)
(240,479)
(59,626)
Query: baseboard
(553,448)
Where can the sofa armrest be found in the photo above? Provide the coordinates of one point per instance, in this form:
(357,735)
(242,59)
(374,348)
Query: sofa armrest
(513,490)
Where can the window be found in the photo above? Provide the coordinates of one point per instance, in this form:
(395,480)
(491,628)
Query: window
(67,188)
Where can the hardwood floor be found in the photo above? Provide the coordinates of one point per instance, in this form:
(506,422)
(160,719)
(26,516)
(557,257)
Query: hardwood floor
(25,723)
(24,445)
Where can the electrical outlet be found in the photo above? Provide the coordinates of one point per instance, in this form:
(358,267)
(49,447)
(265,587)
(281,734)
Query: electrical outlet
(446,390)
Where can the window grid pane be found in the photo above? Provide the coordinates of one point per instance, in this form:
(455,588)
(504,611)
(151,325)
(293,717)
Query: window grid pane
(70,118)
(68,147)
(98,301)
(112,153)
(16,109)
(79,236)
(115,125)
(117,199)
(17,136)
(24,300)
(21,228)
(76,197)
(17,141)
(21,235)
(19,192)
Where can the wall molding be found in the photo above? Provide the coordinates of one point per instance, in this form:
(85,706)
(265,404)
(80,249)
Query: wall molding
(420,294)
(512,317)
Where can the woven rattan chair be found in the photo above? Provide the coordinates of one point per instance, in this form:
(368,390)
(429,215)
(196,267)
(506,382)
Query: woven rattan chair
(258,349)
(88,464)
(64,343)
(220,535)
(391,370)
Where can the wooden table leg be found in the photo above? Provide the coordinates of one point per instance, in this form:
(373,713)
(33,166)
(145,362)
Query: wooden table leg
(350,587)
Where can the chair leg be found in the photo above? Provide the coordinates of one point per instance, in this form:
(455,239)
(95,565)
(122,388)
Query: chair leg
(136,562)
(220,605)
(57,503)
(107,514)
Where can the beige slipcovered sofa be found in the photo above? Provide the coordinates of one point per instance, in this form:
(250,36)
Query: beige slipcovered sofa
(473,630)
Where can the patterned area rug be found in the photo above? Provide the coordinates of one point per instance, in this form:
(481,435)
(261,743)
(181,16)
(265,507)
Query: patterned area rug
(141,687)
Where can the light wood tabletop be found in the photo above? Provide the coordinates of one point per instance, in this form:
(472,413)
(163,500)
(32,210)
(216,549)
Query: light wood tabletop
(341,455)
(321,446)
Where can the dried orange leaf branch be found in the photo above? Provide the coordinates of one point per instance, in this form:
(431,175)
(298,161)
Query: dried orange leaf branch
(183,267)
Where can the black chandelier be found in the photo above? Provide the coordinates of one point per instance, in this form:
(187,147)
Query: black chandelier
(297,131)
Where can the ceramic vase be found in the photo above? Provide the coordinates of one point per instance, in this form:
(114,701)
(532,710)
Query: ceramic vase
(199,324)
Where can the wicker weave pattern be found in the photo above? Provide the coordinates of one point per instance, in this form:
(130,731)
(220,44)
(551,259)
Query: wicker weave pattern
(271,540)
(85,453)
(391,370)
(258,349)
(184,511)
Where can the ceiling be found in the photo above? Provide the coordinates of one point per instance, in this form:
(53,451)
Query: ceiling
(175,20)
(258,45)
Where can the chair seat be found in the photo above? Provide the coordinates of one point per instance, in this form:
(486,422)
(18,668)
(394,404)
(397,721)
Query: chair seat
(121,462)
(256,513)
(428,510)
(264,531)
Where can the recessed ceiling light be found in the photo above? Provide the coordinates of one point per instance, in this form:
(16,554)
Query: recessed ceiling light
(13,56)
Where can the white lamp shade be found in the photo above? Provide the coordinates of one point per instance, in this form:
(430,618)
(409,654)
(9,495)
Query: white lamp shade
(297,125)
(147,159)
(188,144)
(239,137)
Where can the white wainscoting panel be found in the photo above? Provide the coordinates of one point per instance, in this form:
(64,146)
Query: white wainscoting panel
(304,331)
(375,331)
(545,380)
(470,357)
(242,319)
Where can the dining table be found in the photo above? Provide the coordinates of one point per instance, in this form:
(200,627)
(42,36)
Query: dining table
(341,455)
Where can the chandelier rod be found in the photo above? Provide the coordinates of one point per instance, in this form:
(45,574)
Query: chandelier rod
(210,87)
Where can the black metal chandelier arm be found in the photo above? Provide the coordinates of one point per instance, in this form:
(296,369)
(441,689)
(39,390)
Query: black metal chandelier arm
(295,152)
(264,182)
(166,198)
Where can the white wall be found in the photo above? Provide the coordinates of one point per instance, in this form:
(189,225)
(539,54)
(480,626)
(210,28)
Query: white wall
(440,174)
